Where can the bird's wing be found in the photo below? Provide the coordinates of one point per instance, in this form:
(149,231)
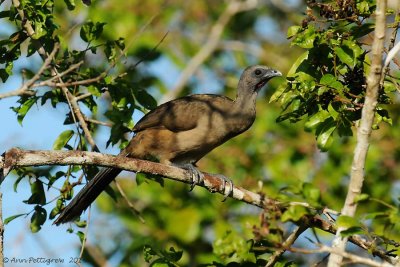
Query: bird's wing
(182,114)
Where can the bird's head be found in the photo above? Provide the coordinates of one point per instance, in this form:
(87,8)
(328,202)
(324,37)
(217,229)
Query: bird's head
(255,77)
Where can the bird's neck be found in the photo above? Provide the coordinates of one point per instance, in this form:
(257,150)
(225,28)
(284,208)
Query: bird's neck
(245,103)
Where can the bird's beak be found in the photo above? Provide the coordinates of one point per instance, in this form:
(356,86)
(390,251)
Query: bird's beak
(271,74)
(268,76)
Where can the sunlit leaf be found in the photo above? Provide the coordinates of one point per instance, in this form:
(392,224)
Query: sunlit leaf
(63,139)
(294,213)
(9,219)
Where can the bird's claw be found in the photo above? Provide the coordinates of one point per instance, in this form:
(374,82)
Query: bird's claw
(196,176)
(225,181)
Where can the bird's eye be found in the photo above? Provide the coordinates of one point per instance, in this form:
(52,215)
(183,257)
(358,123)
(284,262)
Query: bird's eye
(257,72)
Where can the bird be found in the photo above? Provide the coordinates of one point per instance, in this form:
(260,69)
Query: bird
(181,132)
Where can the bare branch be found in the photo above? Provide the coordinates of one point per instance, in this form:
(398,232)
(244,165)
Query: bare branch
(15,157)
(18,158)
(363,131)
(352,257)
(49,81)
(391,54)
(210,45)
(98,122)
(286,245)
(25,88)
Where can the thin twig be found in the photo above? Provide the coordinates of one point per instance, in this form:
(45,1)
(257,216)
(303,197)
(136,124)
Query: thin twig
(49,81)
(98,122)
(130,204)
(286,245)
(83,96)
(151,51)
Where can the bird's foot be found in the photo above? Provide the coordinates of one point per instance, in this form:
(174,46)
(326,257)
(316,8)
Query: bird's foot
(225,181)
(196,176)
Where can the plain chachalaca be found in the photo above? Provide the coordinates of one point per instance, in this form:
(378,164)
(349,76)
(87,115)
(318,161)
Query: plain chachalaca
(180,132)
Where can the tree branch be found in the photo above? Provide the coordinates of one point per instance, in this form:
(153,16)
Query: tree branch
(352,257)
(363,131)
(15,158)
(25,88)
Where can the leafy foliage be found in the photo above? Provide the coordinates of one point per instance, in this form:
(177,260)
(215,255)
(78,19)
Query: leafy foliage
(326,85)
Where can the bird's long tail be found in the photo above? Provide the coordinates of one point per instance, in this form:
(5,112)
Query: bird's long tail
(87,195)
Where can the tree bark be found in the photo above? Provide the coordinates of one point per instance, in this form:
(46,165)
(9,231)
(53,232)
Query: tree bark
(363,132)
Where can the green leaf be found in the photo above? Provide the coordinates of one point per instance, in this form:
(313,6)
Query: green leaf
(148,253)
(361,30)
(361,197)
(351,225)
(91,31)
(9,219)
(145,99)
(279,92)
(172,255)
(81,236)
(375,215)
(162,257)
(23,109)
(63,139)
(294,213)
(324,134)
(40,30)
(305,39)
(344,126)
(383,115)
(80,224)
(345,55)
(140,178)
(120,43)
(296,64)
(315,120)
(38,196)
(293,30)
(94,90)
(311,193)
(38,219)
(3,75)
(7,71)
(331,81)
(232,245)
(346,222)
(70,4)
(54,212)
(17,182)
(5,14)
